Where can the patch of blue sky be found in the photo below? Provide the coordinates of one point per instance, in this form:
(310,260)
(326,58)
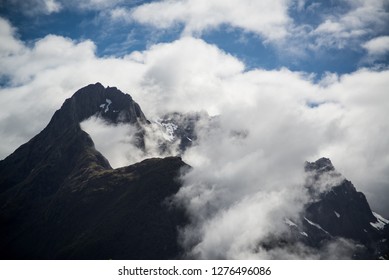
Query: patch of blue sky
(246,46)
(252,50)
(67,23)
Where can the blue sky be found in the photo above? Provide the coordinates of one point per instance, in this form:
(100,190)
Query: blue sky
(319,36)
(303,78)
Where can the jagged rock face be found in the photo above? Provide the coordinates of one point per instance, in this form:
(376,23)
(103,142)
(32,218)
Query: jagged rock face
(335,214)
(60,198)
(180,127)
(341,212)
(320,166)
(344,212)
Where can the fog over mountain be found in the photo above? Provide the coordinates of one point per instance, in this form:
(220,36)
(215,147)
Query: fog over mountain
(235,195)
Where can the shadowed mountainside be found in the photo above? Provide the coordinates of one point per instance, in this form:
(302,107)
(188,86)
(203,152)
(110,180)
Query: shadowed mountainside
(60,198)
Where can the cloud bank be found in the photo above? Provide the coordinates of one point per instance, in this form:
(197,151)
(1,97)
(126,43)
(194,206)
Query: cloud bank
(268,19)
(338,26)
(291,28)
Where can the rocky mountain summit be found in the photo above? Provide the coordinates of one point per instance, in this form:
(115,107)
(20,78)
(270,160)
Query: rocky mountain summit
(61,199)
(109,103)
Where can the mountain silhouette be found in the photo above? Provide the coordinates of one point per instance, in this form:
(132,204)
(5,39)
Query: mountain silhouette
(60,198)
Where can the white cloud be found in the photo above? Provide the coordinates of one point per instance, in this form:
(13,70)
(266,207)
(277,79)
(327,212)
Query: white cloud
(120,13)
(364,133)
(341,28)
(52,6)
(342,25)
(377,47)
(116,142)
(9,45)
(22,64)
(248,163)
(317,28)
(281,24)
(248,168)
(269,19)
(179,65)
(346,25)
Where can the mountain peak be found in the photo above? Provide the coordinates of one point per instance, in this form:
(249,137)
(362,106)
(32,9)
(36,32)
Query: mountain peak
(109,103)
(58,191)
(64,144)
(321,165)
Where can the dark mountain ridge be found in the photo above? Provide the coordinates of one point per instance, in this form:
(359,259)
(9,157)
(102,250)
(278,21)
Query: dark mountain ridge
(60,198)
(63,136)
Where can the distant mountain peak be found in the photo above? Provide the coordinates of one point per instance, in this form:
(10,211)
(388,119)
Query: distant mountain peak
(321,165)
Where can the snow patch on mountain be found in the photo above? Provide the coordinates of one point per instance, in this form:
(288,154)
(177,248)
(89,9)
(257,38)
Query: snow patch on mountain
(168,129)
(304,233)
(290,223)
(316,225)
(105,106)
(381,222)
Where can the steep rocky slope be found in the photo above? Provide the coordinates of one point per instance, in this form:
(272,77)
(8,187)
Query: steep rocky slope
(59,197)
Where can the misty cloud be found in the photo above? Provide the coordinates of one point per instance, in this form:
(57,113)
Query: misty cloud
(118,142)
(248,175)
(337,249)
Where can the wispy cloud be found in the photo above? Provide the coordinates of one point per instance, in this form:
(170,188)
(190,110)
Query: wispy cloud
(9,45)
(297,29)
(281,24)
(268,19)
(361,19)
(34,7)
(99,5)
